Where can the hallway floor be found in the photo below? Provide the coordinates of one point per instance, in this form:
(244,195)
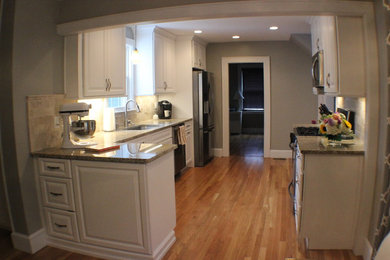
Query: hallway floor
(247,145)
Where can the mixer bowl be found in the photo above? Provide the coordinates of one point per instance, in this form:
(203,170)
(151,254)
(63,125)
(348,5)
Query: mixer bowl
(84,128)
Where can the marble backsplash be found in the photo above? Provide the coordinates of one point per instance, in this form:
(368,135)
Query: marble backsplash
(42,111)
(358,105)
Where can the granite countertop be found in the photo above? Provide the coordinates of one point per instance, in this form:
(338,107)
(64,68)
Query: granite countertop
(128,152)
(313,145)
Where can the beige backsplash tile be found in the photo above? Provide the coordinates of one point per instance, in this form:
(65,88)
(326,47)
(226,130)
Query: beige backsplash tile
(147,106)
(41,111)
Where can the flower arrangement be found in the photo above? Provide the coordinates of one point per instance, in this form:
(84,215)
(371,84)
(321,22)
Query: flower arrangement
(335,124)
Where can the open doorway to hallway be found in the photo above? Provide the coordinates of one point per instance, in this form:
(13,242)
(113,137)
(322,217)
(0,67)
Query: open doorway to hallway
(246,109)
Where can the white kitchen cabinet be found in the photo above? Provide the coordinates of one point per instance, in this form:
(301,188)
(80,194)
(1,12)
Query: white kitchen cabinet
(115,210)
(189,144)
(164,56)
(95,64)
(327,199)
(341,39)
(198,53)
(156,72)
(110,194)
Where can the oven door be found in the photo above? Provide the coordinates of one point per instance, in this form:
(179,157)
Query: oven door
(317,69)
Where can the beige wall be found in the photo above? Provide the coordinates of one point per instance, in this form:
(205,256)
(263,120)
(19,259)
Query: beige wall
(292,100)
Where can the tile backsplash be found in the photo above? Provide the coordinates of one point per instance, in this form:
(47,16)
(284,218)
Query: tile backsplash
(358,105)
(42,111)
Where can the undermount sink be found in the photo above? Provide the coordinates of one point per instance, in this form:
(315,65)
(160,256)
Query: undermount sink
(142,127)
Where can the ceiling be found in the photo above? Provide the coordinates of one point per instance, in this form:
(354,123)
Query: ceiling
(249,28)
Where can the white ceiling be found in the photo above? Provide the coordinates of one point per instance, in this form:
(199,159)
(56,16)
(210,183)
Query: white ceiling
(249,28)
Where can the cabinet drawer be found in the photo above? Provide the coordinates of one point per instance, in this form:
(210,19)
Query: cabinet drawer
(61,224)
(57,193)
(54,167)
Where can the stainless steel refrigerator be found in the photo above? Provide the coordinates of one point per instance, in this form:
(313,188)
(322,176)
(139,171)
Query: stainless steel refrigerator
(203,116)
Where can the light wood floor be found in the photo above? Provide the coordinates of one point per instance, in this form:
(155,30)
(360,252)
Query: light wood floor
(234,208)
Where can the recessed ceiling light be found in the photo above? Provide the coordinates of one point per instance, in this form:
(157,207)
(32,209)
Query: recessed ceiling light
(273,28)
(236,36)
(198,31)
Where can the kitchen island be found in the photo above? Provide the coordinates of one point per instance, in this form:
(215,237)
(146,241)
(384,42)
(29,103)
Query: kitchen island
(328,184)
(118,204)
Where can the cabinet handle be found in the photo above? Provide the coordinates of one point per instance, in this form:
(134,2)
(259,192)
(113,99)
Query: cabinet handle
(318,44)
(200,63)
(60,225)
(109,84)
(55,194)
(165,85)
(106,84)
(328,80)
(52,167)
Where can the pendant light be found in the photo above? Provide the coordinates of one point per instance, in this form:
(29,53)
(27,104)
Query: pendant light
(136,57)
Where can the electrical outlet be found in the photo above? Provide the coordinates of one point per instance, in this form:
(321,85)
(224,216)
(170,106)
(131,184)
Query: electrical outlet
(56,122)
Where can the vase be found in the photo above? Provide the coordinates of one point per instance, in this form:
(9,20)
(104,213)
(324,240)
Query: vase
(334,140)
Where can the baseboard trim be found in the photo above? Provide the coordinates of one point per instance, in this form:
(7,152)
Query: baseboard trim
(367,251)
(217,152)
(280,153)
(29,244)
(110,253)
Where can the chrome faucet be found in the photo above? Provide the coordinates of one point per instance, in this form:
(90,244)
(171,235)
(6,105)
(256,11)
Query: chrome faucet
(126,122)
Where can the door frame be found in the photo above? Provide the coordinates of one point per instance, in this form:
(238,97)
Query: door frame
(265,60)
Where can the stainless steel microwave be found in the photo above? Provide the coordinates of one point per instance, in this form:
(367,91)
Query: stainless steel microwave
(317,69)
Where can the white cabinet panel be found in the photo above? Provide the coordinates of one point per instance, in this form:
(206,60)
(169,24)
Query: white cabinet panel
(189,144)
(54,167)
(94,66)
(57,193)
(116,61)
(198,54)
(61,224)
(116,225)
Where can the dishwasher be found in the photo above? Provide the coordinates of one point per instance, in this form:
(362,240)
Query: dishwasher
(180,151)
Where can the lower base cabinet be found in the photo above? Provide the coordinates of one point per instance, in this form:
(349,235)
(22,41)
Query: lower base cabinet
(121,210)
(328,205)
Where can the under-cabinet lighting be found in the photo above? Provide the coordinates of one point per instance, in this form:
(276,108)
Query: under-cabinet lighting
(273,28)
(198,31)
(236,36)
(136,57)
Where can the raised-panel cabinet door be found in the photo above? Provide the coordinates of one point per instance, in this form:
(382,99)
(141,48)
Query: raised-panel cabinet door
(169,65)
(104,223)
(116,61)
(94,78)
(328,34)
(159,82)
(202,55)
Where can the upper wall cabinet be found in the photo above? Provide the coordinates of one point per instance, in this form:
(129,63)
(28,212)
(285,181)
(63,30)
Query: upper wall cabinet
(341,39)
(95,64)
(155,73)
(198,54)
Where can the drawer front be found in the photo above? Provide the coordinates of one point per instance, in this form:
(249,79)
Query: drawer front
(57,193)
(61,224)
(54,167)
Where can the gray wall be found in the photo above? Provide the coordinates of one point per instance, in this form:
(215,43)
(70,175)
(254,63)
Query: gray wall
(33,63)
(292,100)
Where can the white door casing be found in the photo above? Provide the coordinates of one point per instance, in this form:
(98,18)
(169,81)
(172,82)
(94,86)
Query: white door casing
(265,60)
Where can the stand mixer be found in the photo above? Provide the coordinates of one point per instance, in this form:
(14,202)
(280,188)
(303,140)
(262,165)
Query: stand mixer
(80,128)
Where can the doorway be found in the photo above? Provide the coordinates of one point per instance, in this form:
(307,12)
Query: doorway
(253,124)
(246,109)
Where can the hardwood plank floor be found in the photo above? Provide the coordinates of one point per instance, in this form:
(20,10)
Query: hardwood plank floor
(234,208)
(239,208)
(247,145)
